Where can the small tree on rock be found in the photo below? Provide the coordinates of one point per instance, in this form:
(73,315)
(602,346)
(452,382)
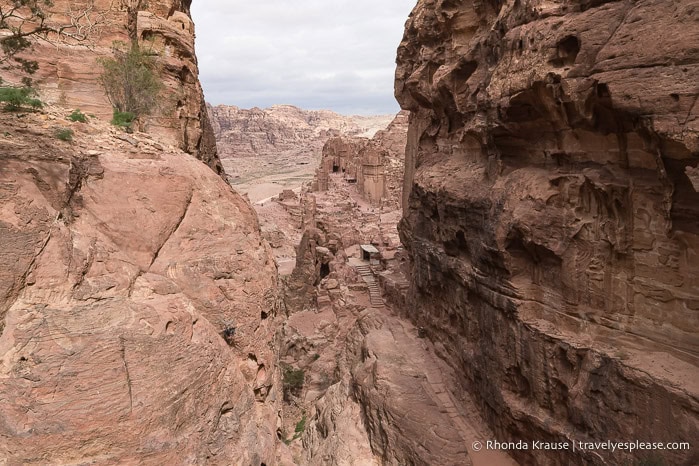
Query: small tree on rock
(20,21)
(131,81)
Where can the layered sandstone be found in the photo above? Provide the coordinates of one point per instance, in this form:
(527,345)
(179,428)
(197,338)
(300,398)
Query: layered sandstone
(551,215)
(284,129)
(137,301)
(69,65)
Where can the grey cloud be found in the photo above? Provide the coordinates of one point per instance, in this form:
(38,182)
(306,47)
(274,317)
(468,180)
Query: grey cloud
(334,54)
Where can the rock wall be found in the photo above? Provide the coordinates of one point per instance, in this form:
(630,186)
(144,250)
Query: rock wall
(551,211)
(137,300)
(69,69)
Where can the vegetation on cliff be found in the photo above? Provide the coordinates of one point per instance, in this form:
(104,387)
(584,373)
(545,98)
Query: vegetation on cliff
(131,82)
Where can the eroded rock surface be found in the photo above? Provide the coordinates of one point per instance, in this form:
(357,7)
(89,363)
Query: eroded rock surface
(552,215)
(69,66)
(124,266)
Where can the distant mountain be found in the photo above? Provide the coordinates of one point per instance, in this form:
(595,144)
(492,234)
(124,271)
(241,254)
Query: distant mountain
(260,132)
(254,142)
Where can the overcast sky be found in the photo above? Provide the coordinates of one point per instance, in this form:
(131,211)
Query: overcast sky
(316,54)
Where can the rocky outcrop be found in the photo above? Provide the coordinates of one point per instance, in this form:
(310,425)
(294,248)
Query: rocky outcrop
(137,300)
(69,68)
(552,215)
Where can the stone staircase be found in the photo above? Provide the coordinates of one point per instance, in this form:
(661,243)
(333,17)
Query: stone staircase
(367,275)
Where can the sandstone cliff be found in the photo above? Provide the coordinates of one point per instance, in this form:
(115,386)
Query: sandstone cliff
(122,266)
(138,300)
(552,214)
(68,68)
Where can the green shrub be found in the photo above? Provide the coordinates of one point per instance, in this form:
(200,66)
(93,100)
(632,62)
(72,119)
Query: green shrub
(131,81)
(18,98)
(293,378)
(77,115)
(64,134)
(292,381)
(123,119)
(298,431)
(301,425)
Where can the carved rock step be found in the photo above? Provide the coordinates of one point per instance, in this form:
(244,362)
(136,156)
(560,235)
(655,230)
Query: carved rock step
(375,296)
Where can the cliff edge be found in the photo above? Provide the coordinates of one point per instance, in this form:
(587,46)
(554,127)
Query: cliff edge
(69,68)
(138,299)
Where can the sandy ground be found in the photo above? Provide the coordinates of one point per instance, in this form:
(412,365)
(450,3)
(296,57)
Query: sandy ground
(266,183)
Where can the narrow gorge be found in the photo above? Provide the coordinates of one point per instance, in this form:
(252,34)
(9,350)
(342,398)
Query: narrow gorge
(503,273)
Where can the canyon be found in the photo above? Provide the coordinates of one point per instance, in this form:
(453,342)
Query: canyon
(512,257)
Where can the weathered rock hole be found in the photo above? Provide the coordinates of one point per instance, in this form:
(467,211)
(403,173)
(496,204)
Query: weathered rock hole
(147,36)
(457,245)
(588,4)
(186,75)
(675,97)
(263,315)
(228,334)
(531,258)
(603,91)
(567,51)
(465,70)
(324,270)
(684,212)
